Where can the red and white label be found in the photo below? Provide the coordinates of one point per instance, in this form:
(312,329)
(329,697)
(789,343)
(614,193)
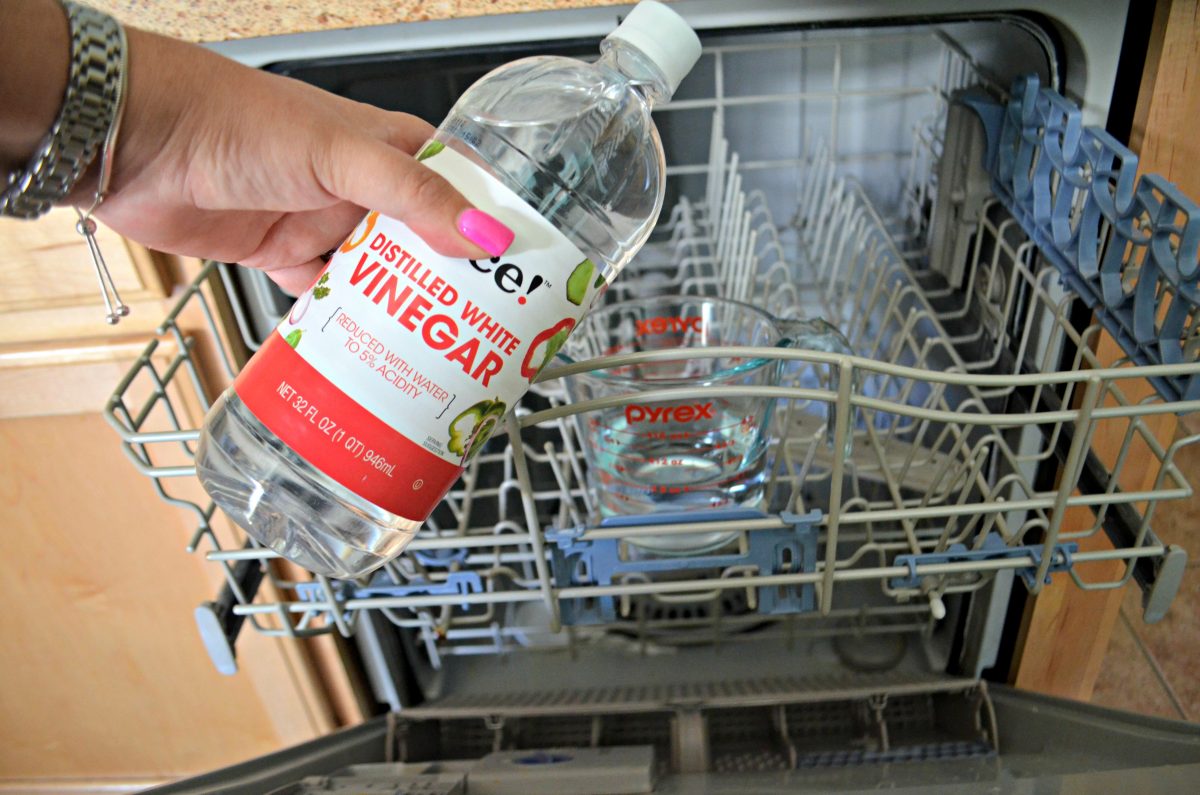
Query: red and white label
(397,363)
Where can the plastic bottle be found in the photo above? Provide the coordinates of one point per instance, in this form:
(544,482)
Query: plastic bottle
(358,414)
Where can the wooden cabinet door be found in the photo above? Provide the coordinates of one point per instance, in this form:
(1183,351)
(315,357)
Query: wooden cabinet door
(50,288)
(106,685)
(105,680)
(1066,630)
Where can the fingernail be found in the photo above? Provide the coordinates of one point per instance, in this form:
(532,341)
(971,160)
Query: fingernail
(485,231)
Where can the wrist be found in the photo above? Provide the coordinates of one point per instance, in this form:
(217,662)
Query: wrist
(161,92)
(86,122)
(32,86)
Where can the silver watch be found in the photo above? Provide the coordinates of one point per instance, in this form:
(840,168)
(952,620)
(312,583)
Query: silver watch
(88,111)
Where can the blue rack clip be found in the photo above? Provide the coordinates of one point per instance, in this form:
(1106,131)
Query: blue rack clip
(993,548)
(457,583)
(1065,184)
(315,591)
(439,558)
(582,562)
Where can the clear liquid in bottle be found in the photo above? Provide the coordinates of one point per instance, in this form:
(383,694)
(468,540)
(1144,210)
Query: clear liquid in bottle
(333,456)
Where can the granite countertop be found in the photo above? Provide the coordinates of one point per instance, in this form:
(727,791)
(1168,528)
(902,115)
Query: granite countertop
(220,20)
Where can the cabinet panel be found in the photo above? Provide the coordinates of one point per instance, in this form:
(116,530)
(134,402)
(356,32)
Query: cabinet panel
(50,288)
(104,675)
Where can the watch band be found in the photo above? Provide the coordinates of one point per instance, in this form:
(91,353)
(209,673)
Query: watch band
(88,113)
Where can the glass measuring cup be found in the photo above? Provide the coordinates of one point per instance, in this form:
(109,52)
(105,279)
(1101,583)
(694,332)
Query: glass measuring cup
(696,450)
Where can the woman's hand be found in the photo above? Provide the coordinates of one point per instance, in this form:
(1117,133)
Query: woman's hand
(221,161)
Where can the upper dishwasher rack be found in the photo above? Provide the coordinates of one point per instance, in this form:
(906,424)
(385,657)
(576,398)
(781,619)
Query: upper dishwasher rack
(968,392)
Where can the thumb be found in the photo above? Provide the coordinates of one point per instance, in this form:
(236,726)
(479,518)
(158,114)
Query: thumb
(374,175)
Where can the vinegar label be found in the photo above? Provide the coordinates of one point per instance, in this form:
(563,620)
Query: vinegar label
(397,364)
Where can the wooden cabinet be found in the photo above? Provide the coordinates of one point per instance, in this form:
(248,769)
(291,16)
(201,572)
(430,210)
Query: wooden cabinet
(106,685)
(50,289)
(1067,630)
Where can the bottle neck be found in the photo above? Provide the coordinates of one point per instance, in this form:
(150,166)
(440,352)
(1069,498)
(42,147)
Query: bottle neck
(642,73)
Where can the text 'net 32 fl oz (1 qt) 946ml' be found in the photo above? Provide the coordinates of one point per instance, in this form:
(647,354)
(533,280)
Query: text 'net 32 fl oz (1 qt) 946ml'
(361,410)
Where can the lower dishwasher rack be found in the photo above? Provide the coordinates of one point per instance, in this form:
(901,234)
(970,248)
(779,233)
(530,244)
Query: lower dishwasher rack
(969,411)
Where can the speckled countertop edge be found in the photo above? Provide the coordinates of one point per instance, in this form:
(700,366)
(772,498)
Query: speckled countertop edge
(223,20)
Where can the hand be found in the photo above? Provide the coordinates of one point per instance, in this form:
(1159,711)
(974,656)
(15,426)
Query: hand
(221,161)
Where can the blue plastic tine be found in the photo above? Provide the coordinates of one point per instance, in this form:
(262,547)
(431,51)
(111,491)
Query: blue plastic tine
(1128,247)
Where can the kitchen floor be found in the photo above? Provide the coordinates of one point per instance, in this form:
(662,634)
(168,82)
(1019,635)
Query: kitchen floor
(1154,669)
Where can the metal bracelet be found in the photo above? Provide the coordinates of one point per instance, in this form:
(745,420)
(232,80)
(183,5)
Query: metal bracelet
(114,306)
(88,122)
(86,118)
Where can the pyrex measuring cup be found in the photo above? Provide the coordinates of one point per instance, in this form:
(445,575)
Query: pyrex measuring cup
(697,450)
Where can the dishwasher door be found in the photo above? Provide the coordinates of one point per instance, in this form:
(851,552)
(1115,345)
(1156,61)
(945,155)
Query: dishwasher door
(846,641)
(1054,746)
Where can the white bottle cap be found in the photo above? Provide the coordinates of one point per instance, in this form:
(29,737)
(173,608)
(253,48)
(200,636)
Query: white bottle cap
(663,37)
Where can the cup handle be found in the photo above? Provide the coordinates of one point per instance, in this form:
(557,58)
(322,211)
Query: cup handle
(819,335)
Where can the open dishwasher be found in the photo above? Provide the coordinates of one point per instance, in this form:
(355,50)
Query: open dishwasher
(923,186)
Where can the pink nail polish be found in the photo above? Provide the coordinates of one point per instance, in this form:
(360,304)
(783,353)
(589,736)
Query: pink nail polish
(485,231)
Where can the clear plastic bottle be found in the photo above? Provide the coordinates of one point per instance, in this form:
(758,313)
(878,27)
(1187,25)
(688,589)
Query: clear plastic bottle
(573,141)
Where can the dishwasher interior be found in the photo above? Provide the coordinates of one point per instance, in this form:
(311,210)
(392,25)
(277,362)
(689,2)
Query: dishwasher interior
(927,191)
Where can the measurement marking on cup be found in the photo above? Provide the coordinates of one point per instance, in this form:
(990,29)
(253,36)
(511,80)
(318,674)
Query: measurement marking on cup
(649,455)
(644,433)
(661,488)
